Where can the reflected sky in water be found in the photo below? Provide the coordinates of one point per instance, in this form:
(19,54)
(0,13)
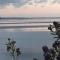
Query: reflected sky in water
(30,42)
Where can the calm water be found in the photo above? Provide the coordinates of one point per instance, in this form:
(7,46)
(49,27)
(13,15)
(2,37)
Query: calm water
(29,42)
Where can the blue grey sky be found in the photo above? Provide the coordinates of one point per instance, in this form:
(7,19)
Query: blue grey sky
(29,7)
(22,2)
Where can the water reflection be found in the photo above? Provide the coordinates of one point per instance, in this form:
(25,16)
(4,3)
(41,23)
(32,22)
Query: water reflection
(29,42)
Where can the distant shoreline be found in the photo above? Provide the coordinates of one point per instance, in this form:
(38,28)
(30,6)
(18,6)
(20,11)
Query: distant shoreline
(29,17)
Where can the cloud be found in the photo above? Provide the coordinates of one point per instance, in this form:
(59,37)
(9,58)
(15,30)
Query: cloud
(13,2)
(40,1)
(19,3)
(43,3)
(58,1)
(47,1)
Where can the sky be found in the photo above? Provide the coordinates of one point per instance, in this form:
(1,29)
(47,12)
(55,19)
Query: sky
(29,8)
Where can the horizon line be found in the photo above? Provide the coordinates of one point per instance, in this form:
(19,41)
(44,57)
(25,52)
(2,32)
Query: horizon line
(30,17)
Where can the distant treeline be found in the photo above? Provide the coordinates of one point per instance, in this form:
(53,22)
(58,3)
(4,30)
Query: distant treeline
(29,17)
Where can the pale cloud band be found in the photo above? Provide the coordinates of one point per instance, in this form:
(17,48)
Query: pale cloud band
(23,2)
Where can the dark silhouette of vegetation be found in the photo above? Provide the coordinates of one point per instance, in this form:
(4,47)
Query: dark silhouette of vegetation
(35,59)
(54,52)
(11,48)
